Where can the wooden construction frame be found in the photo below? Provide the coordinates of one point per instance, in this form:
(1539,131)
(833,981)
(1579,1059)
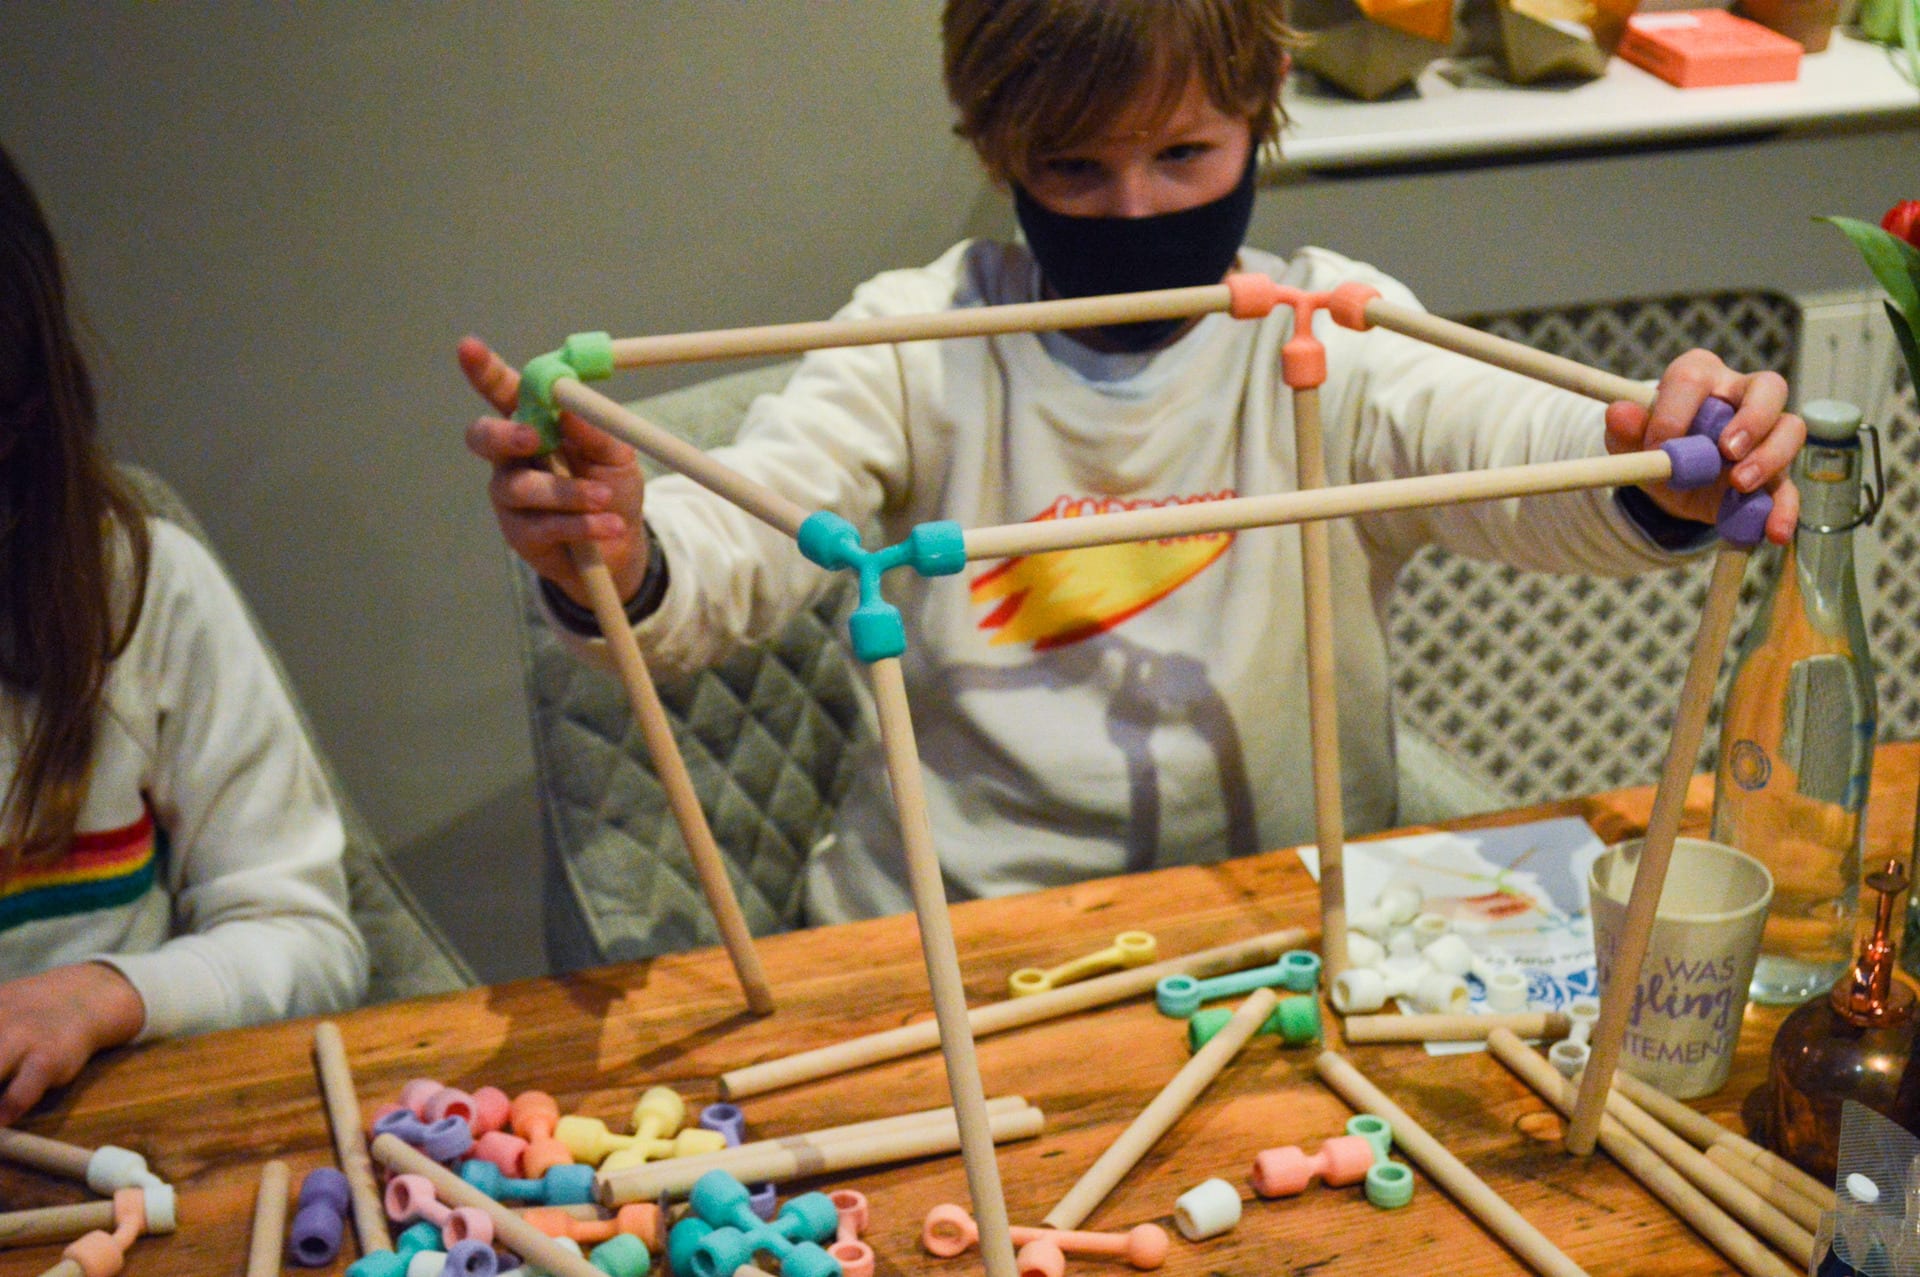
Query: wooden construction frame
(1243,296)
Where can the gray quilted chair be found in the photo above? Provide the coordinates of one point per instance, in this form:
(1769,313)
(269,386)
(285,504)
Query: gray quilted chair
(410,956)
(1510,686)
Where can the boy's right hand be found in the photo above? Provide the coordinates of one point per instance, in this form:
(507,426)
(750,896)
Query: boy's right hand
(539,512)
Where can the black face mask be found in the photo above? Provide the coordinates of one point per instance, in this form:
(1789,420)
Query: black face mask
(1092,256)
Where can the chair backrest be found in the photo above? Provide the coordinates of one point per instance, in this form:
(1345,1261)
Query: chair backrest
(410,956)
(765,736)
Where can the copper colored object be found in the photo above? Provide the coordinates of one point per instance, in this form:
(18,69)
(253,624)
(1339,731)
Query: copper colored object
(1852,1044)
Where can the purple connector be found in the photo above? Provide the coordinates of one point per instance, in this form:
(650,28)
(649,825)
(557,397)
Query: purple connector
(443,1141)
(318,1221)
(732,1125)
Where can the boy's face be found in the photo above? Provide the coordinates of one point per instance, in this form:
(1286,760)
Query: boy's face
(1140,168)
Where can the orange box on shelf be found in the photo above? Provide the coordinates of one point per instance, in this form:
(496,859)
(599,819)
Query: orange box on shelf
(1705,48)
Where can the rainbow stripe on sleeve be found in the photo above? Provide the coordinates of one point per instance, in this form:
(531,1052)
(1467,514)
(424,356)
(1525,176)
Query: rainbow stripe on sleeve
(103,871)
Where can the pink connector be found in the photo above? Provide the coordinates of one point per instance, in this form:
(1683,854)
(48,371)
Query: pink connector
(1303,360)
(1342,1160)
(855,1256)
(99,1254)
(950,1230)
(505,1150)
(411,1197)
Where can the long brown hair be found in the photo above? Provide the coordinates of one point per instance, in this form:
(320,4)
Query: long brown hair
(69,530)
(1030,73)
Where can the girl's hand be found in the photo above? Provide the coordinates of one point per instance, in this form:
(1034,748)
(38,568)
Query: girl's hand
(1762,439)
(540,513)
(52,1023)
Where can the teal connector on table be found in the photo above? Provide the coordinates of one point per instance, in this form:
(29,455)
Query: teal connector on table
(584,357)
(875,628)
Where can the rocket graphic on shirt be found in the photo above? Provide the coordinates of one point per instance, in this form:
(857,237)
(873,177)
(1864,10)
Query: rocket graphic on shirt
(1063,596)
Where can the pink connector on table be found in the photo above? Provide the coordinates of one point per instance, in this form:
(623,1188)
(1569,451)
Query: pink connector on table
(99,1254)
(855,1256)
(484,1110)
(641,1219)
(411,1197)
(1342,1160)
(950,1230)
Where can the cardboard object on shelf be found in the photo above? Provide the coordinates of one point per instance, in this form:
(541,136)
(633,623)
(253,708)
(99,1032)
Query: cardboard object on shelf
(1371,48)
(1707,48)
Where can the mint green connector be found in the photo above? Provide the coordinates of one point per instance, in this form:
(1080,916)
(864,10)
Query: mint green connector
(1295,1021)
(875,628)
(584,357)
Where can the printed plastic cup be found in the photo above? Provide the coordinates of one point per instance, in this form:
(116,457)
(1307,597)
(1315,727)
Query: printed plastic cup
(1692,994)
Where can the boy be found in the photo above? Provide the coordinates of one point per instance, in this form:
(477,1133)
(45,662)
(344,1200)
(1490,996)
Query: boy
(1105,710)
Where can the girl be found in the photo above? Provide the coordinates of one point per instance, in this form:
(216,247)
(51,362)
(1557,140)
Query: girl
(170,858)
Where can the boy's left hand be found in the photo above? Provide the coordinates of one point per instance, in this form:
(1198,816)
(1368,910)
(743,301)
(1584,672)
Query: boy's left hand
(1761,440)
(52,1023)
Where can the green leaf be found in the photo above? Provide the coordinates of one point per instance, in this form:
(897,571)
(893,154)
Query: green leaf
(1905,333)
(1893,261)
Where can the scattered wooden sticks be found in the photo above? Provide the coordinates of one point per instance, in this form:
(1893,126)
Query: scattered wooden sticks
(349,1137)
(1488,1207)
(995,1017)
(512,1230)
(269,1222)
(1452,1028)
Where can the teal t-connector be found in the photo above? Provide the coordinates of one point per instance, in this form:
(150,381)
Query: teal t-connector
(875,628)
(585,357)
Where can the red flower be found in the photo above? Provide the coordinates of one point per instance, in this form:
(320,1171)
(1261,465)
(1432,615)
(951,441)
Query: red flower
(1903,221)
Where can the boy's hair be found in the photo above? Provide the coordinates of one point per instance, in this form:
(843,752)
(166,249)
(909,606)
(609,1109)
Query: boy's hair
(69,530)
(1029,76)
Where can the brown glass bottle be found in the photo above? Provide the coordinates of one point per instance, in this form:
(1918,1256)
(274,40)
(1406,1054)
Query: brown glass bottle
(1854,1043)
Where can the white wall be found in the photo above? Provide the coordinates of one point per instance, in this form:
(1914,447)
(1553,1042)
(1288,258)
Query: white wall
(280,219)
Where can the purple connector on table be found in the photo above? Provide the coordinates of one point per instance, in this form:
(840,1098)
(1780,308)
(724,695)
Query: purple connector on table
(732,1125)
(319,1219)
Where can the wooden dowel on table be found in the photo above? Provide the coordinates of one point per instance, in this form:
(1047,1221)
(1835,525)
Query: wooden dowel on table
(56,1157)
(1656,849)
(996,1017)
(1668,1186)
(54,1223)
(268,1237)
(943,966)
(973,321)
(779,1161)
(1801,1210)
(1323,706)
(1272,510)
(502,388)
(1491,1210)
(1154,1121)
(349,1137)
(1706,1134)
(1453,1028)
(509,1229)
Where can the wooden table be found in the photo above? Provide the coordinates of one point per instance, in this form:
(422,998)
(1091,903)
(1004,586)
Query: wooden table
(207,1112)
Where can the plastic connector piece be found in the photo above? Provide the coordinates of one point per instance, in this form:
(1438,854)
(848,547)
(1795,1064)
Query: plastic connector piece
(1181,995)
(1208,1209)
(875,628)
(1389,1185)
(1252,295)
(590,355)
(1348,305)
(1295,1021)
(1342,1160)
(320,1220)
(938,548)
(1375,1130)
(536,407)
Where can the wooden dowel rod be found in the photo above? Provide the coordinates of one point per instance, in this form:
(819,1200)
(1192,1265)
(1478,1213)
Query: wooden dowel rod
(502,391)
(349,1137)
(1705,1133)
(56,1157)
(996,1017)
(65,1268)
(973,321)
(1555,370)
(783,1160)
(1668,1186)
(1155,1120)
(808,1144)
(1753,1211)
(942,957)
(670,768)
(1323,705)
(1800,1209)
(1490,1209)
(1236,513)
(510,1231)
(679,456)
(264,1243)
(1656,849)
(1452,1028)
(54,1223)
